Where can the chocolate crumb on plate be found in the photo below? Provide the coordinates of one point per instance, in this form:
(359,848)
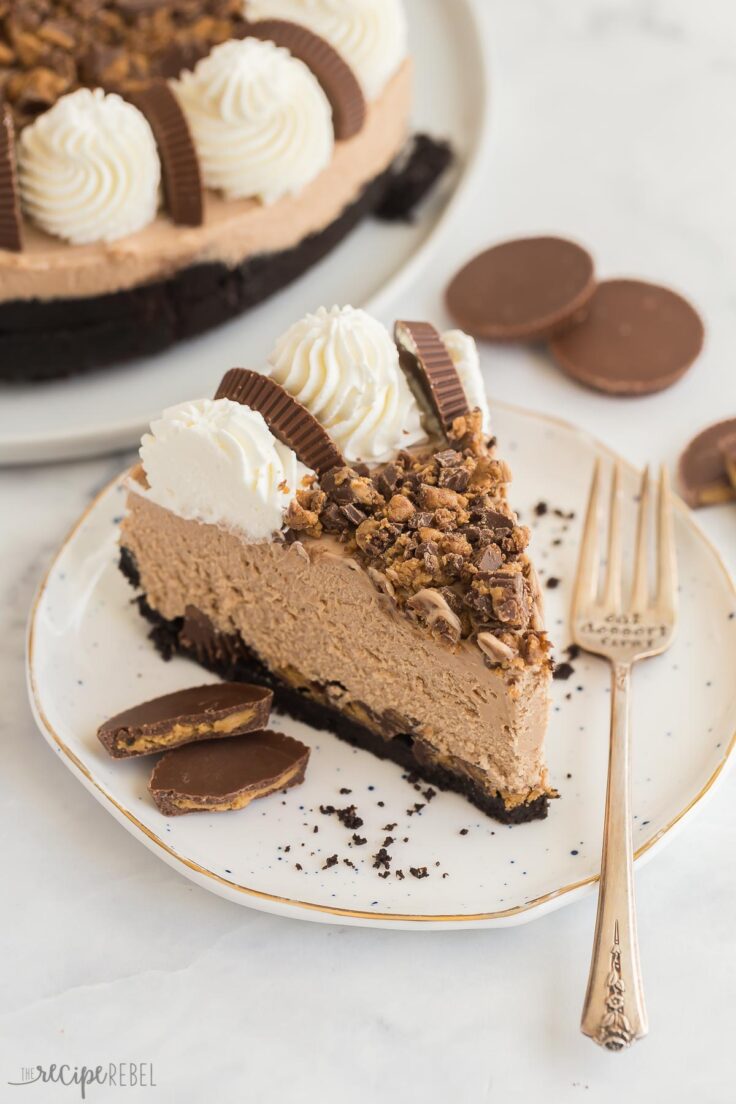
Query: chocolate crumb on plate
(223,709)
(220,775)
(522,290)
(636,338)
(381,859)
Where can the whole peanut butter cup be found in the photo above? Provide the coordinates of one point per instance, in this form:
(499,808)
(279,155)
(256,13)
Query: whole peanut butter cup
(636,338)
(522,290)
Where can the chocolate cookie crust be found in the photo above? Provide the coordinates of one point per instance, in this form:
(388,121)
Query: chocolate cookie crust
(62,337)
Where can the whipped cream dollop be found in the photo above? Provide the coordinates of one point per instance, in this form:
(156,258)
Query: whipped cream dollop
(89,169)
(261,124)
(464,354)
(216,461)
(371,35)
(344,367)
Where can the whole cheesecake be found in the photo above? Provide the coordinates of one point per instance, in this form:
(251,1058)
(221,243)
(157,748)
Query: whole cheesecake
(164,165)
(336,527)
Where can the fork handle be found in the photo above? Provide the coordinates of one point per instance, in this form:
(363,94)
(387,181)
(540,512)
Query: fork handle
(614,1012)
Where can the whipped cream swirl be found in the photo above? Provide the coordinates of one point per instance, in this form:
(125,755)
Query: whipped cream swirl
(371,35)
(216,461)
(261,124)
(464,354)
(344,367)
(89,169)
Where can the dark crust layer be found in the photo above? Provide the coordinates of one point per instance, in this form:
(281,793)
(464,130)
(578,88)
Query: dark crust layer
(230,657)
(42,340)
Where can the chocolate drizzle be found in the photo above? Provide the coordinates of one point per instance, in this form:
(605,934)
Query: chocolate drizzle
(10,218)
(337,79)
(287,419)
(181,173)
(425,355)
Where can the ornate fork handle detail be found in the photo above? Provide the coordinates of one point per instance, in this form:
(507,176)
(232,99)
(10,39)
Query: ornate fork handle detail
(615,1031)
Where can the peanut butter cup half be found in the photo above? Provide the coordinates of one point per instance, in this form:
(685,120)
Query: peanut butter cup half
(337,79)
(197,713)
(287,419)
(425,356)
(220,775)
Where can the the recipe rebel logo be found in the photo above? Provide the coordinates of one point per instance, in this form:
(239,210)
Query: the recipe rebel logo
(116,1075)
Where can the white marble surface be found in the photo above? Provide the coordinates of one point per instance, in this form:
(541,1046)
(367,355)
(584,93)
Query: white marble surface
(613,122)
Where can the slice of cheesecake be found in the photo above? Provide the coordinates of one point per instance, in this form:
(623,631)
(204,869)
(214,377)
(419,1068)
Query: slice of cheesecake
(362,561)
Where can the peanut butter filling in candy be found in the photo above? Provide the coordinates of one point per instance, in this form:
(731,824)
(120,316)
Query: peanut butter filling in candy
(221,775)
(728,451)
(199,713)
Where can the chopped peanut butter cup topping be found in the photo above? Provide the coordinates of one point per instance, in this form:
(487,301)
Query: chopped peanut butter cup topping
(51,47)
(287,419)
(11,236)
(438,539)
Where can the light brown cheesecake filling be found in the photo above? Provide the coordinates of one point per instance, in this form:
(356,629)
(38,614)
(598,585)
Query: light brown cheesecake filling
(233,230)
(312,615)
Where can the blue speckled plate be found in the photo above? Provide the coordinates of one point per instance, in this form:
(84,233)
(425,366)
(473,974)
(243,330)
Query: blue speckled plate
(88,657)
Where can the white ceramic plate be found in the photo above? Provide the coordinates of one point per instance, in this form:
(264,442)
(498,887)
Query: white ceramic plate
(89,657)
(108,410)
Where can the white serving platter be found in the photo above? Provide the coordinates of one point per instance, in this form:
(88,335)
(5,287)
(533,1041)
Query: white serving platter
(107,410)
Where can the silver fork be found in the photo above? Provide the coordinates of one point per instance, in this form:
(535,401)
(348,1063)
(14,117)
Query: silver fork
(623,632)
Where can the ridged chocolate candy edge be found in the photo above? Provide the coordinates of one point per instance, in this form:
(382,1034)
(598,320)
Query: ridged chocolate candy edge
(287,419)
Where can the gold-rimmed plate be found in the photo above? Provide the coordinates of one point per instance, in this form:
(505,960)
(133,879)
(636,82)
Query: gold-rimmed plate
(88,657)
